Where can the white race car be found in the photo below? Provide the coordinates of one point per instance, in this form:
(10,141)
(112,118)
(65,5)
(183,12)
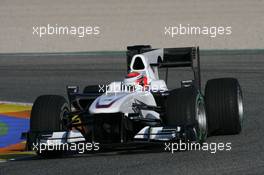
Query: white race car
(140,109)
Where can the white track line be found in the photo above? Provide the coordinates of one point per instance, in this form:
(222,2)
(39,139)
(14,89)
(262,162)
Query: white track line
(16,103)
(3,160)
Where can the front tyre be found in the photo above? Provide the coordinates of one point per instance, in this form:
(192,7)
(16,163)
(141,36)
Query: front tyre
(224,106)
(185,107)
(46,116)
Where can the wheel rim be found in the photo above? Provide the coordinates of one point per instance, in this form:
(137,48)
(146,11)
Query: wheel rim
(240,105)
(201,119)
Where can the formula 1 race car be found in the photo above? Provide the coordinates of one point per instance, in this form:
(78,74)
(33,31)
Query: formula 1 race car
(140,109)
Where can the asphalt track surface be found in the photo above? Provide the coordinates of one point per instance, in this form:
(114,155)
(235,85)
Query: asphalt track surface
(24,78)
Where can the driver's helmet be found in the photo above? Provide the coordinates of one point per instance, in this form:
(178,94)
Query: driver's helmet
(136,78)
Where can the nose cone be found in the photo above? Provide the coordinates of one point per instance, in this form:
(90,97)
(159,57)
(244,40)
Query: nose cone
(109,103)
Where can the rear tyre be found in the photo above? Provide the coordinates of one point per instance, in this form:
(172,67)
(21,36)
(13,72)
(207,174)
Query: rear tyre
(185,107)
(92,89)
(46,116)
(224,106)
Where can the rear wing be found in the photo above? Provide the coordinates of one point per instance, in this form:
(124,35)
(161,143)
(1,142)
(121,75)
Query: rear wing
(172,57)
(183,57)
(178,57)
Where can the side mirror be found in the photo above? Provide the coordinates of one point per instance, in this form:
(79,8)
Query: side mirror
(72,89)
(187,83)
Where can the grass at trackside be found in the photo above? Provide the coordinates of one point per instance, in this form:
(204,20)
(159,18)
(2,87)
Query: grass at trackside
(123,53)
(15,155)
(232,52)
